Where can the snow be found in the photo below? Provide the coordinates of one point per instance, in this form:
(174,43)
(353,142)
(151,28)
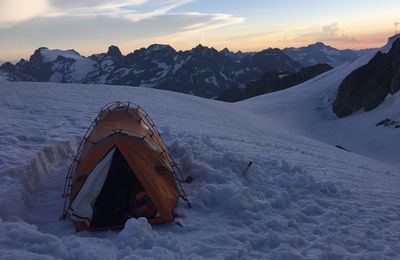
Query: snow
(157,47)
(162,65)
(56,77)
(212,80)
(52,55)
(306,109)
(303,198)
(81,68)
(3,77)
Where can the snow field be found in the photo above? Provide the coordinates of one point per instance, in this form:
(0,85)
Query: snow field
(279,211)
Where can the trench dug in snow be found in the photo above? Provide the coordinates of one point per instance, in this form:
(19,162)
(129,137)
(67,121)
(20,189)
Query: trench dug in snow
(278,208)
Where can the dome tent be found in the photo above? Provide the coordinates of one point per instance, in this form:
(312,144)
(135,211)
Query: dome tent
(121,155)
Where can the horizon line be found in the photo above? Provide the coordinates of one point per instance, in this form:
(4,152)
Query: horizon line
(125,53)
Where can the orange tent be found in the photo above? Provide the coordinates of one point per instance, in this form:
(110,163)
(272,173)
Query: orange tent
(121,155)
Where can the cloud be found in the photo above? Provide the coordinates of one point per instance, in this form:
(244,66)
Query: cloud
(90,25)
(15,11)
(70,4)
(214,21)
(329,33)
(134,10)
(83,33)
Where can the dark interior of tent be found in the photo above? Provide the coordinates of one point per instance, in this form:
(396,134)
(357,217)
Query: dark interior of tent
(114,201)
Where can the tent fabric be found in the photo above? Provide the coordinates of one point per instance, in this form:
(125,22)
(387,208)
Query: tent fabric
(82,204)
(128,130)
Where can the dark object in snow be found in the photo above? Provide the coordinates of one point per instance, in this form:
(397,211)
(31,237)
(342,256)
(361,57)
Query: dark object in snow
(341,147)
(121,157)
(189,179)
(389,123)
(368,86)
(247,168)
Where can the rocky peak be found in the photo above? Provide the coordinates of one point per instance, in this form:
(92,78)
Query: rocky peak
(226,51)
(37,55)
(201,50)
(317,45)
(114,52)
(272,51)
(8,67)
(160,47)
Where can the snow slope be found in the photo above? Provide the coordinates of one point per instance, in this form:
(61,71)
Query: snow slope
(306,109)
(303,199)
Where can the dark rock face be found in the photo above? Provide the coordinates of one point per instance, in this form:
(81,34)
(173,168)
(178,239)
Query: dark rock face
(367,87)
(13,73)
(114,53)
(274,81)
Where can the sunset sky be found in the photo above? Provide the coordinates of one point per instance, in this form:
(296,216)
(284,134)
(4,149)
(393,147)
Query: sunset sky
(90,26)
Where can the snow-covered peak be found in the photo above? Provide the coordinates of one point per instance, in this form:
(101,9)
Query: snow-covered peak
(52,55)
(321,53)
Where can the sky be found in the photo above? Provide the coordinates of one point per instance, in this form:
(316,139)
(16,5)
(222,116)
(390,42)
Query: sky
(90,26)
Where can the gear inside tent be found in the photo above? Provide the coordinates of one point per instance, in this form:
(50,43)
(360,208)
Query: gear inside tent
(122,169)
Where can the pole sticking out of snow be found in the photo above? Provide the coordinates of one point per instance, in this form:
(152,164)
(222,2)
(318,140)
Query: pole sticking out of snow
(246,170)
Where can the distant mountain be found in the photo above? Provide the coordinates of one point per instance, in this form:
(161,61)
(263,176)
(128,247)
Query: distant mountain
(201,71)
(10,72)
(321,53)
(273,81)
(368,86)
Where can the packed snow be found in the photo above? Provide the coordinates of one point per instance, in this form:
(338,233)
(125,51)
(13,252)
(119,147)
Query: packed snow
(303,198)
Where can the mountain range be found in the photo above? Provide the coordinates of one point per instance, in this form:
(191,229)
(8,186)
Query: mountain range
(321,53)
(201,71)
(272,81)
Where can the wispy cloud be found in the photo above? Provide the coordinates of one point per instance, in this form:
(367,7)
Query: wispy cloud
(329,33)
(214,21)
(134,10)
(14,11)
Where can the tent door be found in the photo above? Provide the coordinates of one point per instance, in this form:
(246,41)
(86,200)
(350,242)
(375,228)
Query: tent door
(120,186)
